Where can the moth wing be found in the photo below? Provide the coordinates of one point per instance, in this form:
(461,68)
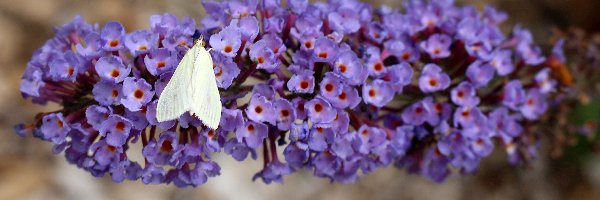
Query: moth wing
(206,101)
(175,99)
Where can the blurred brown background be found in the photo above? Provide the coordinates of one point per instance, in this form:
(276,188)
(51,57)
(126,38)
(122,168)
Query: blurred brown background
(28,169)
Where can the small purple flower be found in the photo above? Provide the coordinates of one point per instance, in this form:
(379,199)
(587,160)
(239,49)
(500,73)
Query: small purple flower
(286,114)
(415,114)
(349,66)
(260,109)
(435,165)
(138,118)
(531,55)
(137,93)
(320,111)
(341,122)
(299,106)
(228,41)
(504,125)
(535,104)
(240,9)
(319,138)
(111,68)
(480,74)
(433,79)
(112,36)
(542,78)
(159,61)
(493,16)
(162,151)
(377,93)
(163,24)
(464,95)
(225,69)
(467,116)
(252,133)
(374,62)
(513,95)
(139,42)
(404,51)
(238,150)
(152,174)
(199,175)
(65,67)
(116,129)
(295,155)
(398,76)
(273,171)
(104,153)
(95,115)
(231,119)
(302,82)
(344,20)
(274,43)
(250,26)
(401,139)
(214,139)
(92,46)
(348,98)
(331,86)
(501,60)
(55,128)
(438,111)
(437,46)
(263,55)
(324,50)
(107,93)
(370,138)
(376,32)
(482,146)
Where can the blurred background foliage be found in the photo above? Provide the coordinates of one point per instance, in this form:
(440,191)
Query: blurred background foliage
(568,166)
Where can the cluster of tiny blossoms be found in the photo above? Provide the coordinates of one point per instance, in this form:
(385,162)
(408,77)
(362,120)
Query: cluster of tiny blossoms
(340,88)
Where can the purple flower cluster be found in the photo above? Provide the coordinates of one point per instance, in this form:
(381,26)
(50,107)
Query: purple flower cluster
(341,88)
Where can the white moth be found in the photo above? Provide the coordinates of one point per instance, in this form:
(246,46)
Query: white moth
(193,88)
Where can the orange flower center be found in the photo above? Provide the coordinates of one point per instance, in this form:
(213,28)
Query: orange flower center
(115,73)
(260,60)
(372,92)
(113,43)
(318,107)
(323,54)
(378,66)
(285,113)
(258,109)
(343,68)
(70,70)
(138,94)
(120,126)
(329,87)
(160,64)
(304,84)
(433,82)
(308,44)
(228,49)
(166,146)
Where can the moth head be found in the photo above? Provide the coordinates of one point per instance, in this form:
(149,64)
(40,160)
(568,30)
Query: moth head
(200,41)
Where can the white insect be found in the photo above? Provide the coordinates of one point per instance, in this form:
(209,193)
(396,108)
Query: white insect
(193,88)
